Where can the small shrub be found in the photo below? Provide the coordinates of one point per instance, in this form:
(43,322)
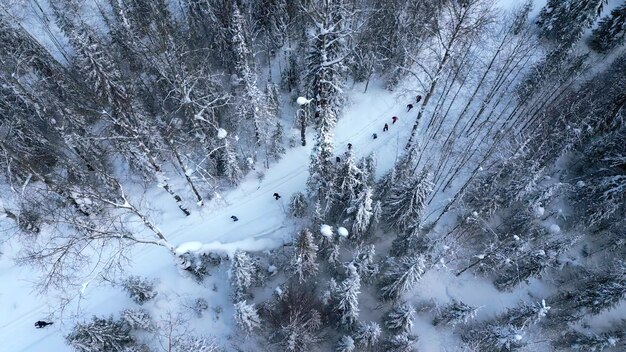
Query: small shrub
(140,290)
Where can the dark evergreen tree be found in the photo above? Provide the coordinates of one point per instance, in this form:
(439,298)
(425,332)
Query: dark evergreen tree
(563,21)
(403,207)
(611,31)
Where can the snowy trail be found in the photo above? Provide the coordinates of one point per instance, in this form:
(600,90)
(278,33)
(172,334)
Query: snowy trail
(263,221)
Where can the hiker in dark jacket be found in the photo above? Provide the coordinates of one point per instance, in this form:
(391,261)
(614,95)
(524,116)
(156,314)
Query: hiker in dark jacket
(386,128)
(374,136)
(234,218)
(337,159)
(409,107)
(418,99)
(349,146)
(276,196)
(42,324)
(394,119)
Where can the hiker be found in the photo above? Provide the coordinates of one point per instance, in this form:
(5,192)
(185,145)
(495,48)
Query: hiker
(42,324)
(418,99)
(338,159)
(386,128)
(374,136)
(234,218)
(349,146)
(394,119)
(276,196)
(409,107)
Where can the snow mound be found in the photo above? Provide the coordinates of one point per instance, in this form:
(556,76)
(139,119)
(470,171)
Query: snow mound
(326,231)
(221,133)
(193,246)
(303,101)
(343,232)
(554,228)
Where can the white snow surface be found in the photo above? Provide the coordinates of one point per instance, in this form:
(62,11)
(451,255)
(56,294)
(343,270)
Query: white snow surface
(343,232)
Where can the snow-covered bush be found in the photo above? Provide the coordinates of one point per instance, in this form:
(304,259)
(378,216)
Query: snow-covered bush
(199,264)
(137,319)
(298,205)
(199,306)
(140,290)
(188,343)
(100,335)
(246,316)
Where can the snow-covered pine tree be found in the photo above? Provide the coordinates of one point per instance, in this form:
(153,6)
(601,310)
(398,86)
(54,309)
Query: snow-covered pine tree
(228,164)
(246,316)
(304,260)
(455,313)
(345,344)
(532,262)
(580,341)
(495,337)
(596,293)
(407,198)
(360,213)
(367,334)
(611,32)
(276,148)
(298,205)
(525,315)
(251,105)
(347,300)
(563,21)
(140,290)
(401,275)
(401,343)
(347,186)
(400,318)
(100,335)
(325,75)
(365,262)
(243,273)
(301,331)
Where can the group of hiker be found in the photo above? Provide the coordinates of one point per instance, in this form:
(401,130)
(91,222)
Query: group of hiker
(394,119)
(418,98)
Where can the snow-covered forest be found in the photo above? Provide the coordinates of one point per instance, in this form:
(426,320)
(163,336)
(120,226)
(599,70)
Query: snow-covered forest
(312,175)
